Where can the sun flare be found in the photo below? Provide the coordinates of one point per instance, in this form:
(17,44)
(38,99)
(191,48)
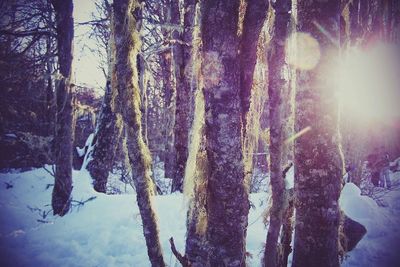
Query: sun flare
(368,83)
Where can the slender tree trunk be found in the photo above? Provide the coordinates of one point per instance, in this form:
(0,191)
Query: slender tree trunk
(195,188)
(254,18)
(61,197)
(183,74)
(143,96)
(108,130)
(278,87)
(227,196)
(170,98)
(285,247)
(127,42)
(318,165)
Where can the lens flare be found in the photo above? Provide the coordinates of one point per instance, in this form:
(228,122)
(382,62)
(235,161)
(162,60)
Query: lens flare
(303,51)
(368,83)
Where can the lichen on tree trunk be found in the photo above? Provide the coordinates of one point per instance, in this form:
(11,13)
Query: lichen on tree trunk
(227,196)
(183,72)
(318,165)
(127,42)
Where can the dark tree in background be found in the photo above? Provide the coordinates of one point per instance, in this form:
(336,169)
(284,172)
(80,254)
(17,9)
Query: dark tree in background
(64,117)
(109,123)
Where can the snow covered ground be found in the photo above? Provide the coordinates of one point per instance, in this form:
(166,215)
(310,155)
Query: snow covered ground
(106,231)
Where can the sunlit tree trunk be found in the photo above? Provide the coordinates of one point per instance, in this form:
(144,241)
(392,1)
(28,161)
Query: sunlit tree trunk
(64,136)
(183,74)
(108,129)
(318,165)
(127,44)
(278,86)
(254,18)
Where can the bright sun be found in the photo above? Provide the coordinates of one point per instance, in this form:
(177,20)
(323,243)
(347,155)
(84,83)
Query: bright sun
(368,83)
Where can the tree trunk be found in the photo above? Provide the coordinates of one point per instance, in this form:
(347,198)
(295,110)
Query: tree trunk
(254,18)
(127,44)
(195,188)
(285,247)
(227,196)
(183,74)
(318,165)
(170,98)
(109,128)
(61,197)
(278,87)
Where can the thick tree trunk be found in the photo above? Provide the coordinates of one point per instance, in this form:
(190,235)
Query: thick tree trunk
(127,44)
(318,165)
(278,87)
(64,136)
(183,74)
(227,196)
(108,129)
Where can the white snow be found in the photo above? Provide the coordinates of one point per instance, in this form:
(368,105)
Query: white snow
(379,247)
(289,179)
(88,156)
(80,151)
(107,231)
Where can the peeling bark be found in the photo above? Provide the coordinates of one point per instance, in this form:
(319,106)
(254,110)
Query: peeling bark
(318,165)
(127,44)
(64,135)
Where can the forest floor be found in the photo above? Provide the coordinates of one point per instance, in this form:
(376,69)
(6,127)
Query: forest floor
(105,230)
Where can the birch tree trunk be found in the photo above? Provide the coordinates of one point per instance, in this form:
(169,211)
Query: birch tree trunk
(278,87)
(127,44)
(318,165)
(61,197)
(227,196)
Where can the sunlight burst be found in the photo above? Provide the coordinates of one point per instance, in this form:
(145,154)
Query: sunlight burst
(368,83)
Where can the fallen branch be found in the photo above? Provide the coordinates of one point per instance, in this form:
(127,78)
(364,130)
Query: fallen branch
(182,259)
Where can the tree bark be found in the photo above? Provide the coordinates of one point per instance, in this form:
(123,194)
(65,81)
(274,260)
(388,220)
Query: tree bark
(254,18)
(278,87)
(227,196)
(61,197)
(127,44)
(196,176)
(108,129)
(183,74)
(318,165)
